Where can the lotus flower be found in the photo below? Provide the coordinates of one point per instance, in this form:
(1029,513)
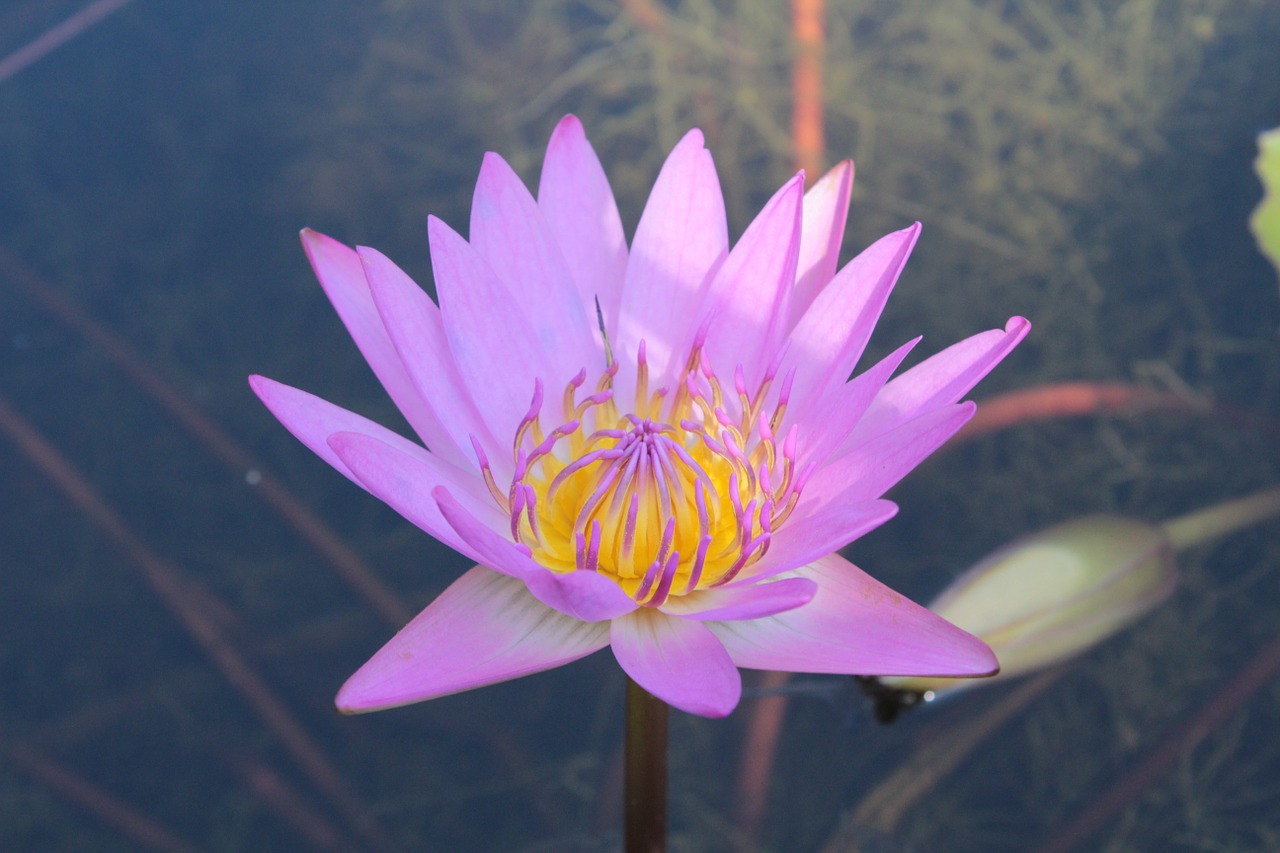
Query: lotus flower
(653,447)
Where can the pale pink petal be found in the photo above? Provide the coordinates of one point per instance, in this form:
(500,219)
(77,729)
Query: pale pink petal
(855,625)
(826,210)
(497,351)
(677,660)
(413,322)
(509,232)
(584,595)
(750,296)
(939,380)
(485,628)
(871,468)
(681,238)
(312,420)
(342,276)
(742,602)
(804,539)
(829,339)
(403,477)
(575,198)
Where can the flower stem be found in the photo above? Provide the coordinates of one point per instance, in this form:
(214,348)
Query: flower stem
(1221,519)
(646,772)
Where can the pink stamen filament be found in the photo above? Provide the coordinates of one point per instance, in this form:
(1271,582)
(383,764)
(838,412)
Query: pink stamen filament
(630,472)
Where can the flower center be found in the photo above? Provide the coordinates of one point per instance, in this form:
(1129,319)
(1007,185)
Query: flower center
(668,497)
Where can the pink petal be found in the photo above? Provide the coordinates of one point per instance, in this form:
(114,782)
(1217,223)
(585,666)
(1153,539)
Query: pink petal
(485,628)
(403,477)
(742,602)
(497,351)
(584,595)
(342,276)
(750,297)
(829,339)
(939,380)
(575,198)
(805,538)
(508,230)
(312,420)
(681,238)
(855,625)
(677,660)
(869,470)
(413,323)
(828,421)
(826,209)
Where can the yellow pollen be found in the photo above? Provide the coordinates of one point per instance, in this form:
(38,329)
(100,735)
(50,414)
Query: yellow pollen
(668,497)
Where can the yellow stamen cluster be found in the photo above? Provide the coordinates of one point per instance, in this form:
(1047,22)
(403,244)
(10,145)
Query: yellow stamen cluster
(668,497)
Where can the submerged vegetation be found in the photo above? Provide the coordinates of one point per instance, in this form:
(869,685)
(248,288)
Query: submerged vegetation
(1083,163)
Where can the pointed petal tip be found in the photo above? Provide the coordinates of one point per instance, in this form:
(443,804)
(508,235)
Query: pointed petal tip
(955,653)
(349,704)
(263,388)
(437,231)
(838,172)
(974,659)
(692,138)
(362,694)
(267,390)
(1018,325)
(314,241)
(797,178)
(494,165)
(570,124)
(373,259)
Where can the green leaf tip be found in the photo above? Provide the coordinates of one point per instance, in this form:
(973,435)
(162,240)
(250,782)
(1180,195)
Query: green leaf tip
(1265,221)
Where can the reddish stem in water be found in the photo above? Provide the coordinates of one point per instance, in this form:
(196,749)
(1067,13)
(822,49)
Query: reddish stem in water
(345,561)
(166,581)
(1256,674)
(55,37)
(807,137)
(138,827)
(645,797)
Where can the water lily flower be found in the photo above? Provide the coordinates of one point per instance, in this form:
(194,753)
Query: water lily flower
(655,448)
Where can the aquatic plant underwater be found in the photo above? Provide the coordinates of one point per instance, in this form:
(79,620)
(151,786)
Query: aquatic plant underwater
(332,778)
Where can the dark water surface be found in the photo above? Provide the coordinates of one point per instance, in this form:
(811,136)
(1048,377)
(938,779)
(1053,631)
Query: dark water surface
(1084,164)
